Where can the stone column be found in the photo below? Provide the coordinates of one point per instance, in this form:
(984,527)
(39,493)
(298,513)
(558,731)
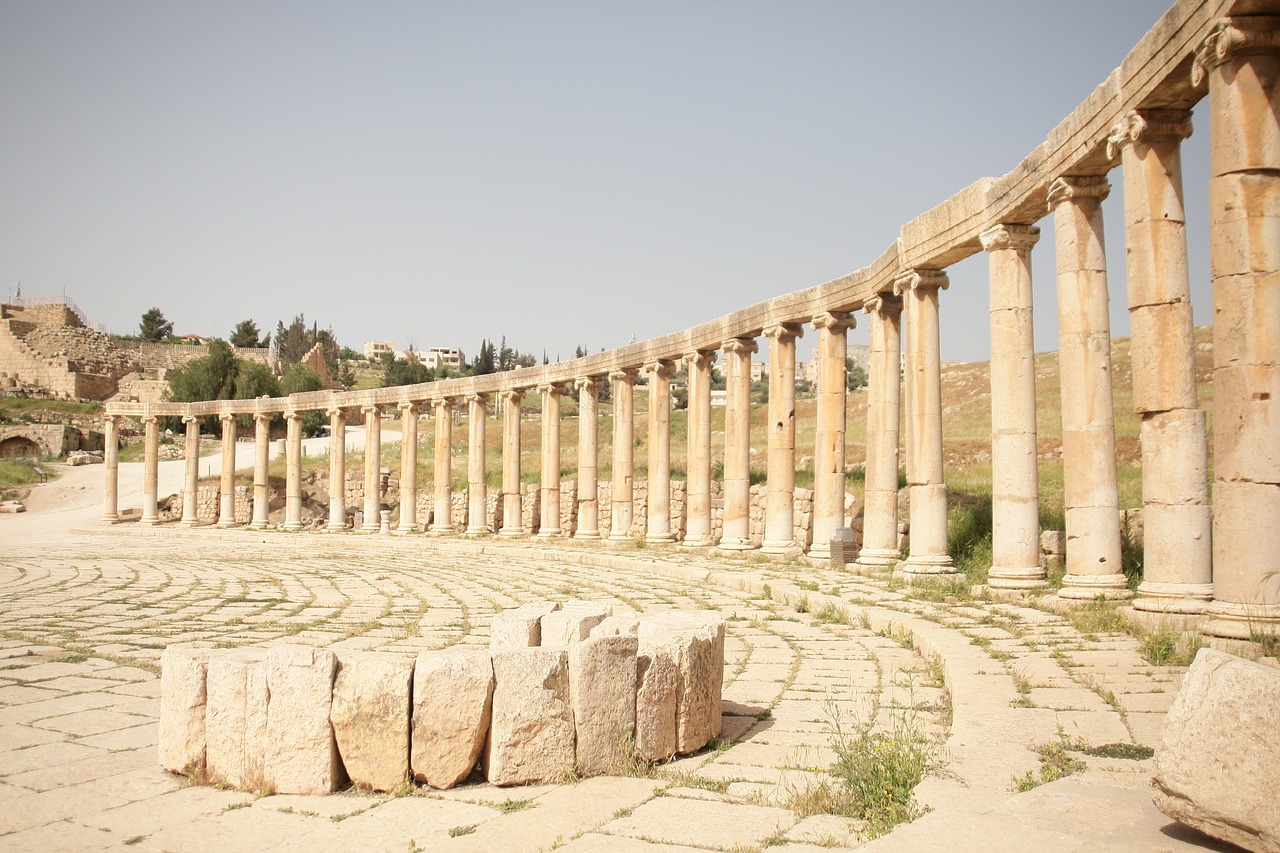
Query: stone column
(1176,518)
(588,458)
(549,453)
(372,469)
(111,469)
(292,471)
(443,471)
(919,291)
(621,495)
(477,490)
(150,470)
(1242,60)
(227,487)
(408,469)
(697,508)
(512,506)
(736,534)
(828,455)
(191,482)
(779,519)
(1015,476)
(658,508)
(261,460)
(1088,420)
(884,399)
(337,469)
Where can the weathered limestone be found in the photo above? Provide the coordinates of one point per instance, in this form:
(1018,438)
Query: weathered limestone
(452,710)
(621,493)
(928,557)
(442,523)
(1088,422)
(1178,571)
(182,711)
(880,513)
(337,469)
(779,522)
(292,471)
(236,719)
(700,672)
(408,469)
(302,757)
(697,533)
(736,533)
(1241,59)
(370,718)
(111,470)
(1015,496)
(602,693)
(588,458)
(657,683)
(549,480)
(531,738)
(520,627)
(150,470)
(372,467)
(191,478)
(261,461)
(829,439)
(658,507)
(573,622)
(227,495)
(477,490)
(512,516)
(1218,765)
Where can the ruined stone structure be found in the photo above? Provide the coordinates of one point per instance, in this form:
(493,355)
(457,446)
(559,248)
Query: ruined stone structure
(1222,560)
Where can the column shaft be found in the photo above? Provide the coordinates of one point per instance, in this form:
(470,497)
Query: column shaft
(880,496)
(588,458)
(150,470)
(111,469)
(1242,60)
(736,533)
(261,460)
(477,489)
(928,556)
(829,438)
(779,518)
(549,480)
(622,491)
(1015,481)
(408,469)
(697,532)
(292,471)
(512,505)
(227,487)
(658,507)
(337,469)
(443,471)
(372,468)
(191,481)
(1091,497)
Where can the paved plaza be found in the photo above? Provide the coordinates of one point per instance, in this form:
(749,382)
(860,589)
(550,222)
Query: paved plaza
(87,610)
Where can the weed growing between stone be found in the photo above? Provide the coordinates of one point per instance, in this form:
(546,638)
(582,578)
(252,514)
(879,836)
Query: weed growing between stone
(1055,764)
(1169,647)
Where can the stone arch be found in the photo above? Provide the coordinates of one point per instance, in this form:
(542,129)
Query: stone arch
(18,445)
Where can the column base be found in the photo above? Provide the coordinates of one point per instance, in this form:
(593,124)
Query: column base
(257,524)
(736,544)
(549,534)
(109,519)
(819,551)
(1253,622)
(290,526)
(405,531)
(475,532)
(224,525)
(512,532)
(149,522)
(189,522)
(589,535)
(1186,598)
(782,547)
(1003,577)
(333,528)
(877,559)
(660,537)
(369,528)
(618,537)
(932,566)
(443,531)
(697,542)
(1090,587)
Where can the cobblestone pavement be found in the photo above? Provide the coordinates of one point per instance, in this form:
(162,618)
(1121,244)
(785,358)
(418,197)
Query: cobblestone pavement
(84,616)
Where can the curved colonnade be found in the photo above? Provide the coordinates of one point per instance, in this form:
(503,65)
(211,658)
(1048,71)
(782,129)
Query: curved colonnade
(1221,559)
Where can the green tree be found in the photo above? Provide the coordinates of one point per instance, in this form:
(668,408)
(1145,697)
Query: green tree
(246,335)
(255,379)
(484,362)
(291,341)
(154,327)
(300,379)
(396,372)
(854,376)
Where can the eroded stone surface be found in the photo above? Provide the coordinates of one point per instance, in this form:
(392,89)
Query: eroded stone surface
(236,718)
(700,672)
(573,622)
(602,691)
(182,709)
(531,738)
(657,676)
(370,717)
(452,710)
(520,627)
(302,757)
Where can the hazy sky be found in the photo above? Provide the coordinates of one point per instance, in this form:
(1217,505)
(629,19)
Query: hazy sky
(562,173)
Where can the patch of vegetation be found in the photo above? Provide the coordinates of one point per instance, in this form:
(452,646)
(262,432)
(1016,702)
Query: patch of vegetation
(1125,751)
(1055,764)
(1098,617)
(512,806)
(462,830)
(1167,647)
(969,525)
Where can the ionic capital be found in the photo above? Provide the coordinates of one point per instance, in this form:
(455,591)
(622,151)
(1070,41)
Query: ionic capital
(189,419)
(701,359)
(371,410)
(111,421)
(478,399)
(590,384)
(553,388)
(1078,188)
(884,304)
(512,396)
(628,374)
(407,409)
(442,405)
(293,415)
(225,417)
(262,417)
(1020,238)
(1147,126)
(834,321)
(334,412)
(738,346)
(784,331)
(660,369)
(1231,37)
(150,419)
(920,280)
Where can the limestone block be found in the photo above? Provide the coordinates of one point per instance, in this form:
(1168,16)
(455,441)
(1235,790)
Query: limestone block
(452,707)
(370,718)
(182,709)
(617,625)
(521,627)
(531,738)
(657,678)
(302,757)
(700,672)
(602,692)
(1218,765)
(236,718)
(573,622)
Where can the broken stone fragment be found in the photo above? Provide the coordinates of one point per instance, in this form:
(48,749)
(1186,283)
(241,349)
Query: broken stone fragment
(183,697)
(452,709)
(370,717)
(302,757)
(602,691)
(531,738)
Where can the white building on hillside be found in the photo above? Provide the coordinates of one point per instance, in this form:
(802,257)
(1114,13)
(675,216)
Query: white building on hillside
(373,350)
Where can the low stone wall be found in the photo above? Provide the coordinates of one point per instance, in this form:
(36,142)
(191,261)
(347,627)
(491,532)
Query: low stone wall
(562,690)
